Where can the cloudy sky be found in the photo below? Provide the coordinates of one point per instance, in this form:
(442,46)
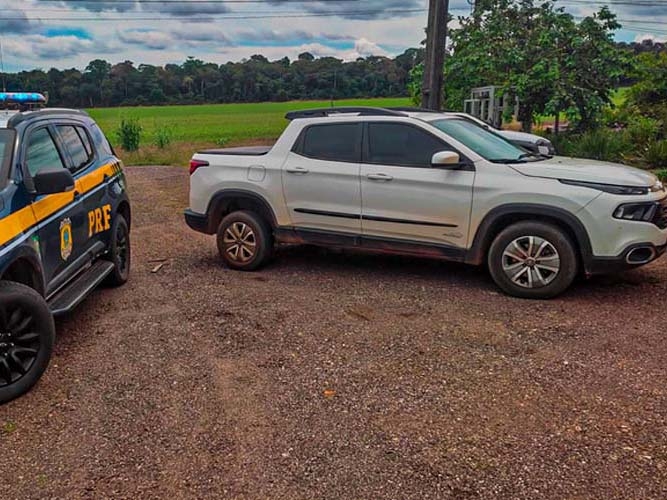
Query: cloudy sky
(69,33)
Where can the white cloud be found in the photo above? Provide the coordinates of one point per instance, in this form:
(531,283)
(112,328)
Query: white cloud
(653,38)
(34,35)
(148,38)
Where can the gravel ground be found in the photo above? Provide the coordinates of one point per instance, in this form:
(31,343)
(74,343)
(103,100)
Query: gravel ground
(332,375)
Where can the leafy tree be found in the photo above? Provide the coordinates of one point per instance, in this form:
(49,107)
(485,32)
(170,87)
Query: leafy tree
(538,53)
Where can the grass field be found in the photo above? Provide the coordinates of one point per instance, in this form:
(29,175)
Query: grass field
(193,127)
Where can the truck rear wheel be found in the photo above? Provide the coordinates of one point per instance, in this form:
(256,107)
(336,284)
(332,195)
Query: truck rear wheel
(27,334)
(245,240)
(533,260)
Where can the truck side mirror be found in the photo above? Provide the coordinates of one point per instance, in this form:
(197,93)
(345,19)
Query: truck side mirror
(446,159)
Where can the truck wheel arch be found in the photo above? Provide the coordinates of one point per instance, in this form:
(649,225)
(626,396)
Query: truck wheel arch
(125,210)
(501,217)
(228,200)
(26,270)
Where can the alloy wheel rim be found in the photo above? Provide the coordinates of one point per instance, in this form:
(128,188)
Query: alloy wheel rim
(121,250)
(240,242)
(19,343)
(531,262)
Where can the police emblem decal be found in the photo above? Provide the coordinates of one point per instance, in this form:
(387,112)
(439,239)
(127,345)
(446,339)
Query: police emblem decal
(66,240)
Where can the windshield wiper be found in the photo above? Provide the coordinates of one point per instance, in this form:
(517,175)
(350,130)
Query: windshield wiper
(509,160)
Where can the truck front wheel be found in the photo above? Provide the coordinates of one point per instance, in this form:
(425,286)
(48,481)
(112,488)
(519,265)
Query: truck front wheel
(533,260)
(245,240)
(27,334)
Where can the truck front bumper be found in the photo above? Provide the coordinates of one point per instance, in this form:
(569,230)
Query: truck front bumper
(632,257)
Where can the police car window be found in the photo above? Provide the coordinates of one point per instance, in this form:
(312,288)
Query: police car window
(42,153)
(86,140)
(6,148)
(101,142)
(72,140)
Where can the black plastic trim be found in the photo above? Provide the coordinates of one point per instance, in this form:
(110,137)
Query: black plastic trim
(327,213)
(610,265)
(326,112)
(198,222)
(235,194)
(483,236)
(406,221)
(375,243)
(371,218)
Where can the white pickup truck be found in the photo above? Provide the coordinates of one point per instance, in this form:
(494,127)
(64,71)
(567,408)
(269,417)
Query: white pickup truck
(428,184)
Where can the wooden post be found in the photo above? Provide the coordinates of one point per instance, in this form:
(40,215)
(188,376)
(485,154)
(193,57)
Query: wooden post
(436,36)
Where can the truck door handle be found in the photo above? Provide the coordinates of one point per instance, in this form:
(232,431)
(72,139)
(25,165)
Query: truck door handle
(297,170)
(380,177)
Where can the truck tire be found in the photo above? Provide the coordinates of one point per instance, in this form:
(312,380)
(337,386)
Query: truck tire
(27,334)
(245,241)
(533,260)
(119,252)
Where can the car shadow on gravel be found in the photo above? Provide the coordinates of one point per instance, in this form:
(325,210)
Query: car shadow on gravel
(379,265)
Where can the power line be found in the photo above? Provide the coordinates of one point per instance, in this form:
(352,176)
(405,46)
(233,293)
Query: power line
(210,17)
(198,1)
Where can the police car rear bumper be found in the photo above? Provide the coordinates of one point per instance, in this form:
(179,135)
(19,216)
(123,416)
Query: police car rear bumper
(198,222)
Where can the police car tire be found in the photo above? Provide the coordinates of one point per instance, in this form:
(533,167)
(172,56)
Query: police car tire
(262,236)
(119,277)
(42,321)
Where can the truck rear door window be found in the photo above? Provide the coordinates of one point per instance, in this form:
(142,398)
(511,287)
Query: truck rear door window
(335,142)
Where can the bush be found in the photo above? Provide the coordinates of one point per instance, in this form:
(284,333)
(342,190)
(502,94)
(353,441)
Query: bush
(222,142)
(655,155)
(129,134)
(643,130)
(601,144)
(163,136)
(662,174)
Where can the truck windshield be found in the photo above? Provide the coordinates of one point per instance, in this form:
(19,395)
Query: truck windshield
(6,149)
(486,144)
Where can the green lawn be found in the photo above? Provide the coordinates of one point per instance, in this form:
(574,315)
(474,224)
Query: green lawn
(198,126)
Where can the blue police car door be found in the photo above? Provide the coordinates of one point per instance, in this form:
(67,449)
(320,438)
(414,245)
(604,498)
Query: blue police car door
(89,166)
(61,217)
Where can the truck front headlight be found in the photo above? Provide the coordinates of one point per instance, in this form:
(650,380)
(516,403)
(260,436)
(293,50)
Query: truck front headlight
(636,211)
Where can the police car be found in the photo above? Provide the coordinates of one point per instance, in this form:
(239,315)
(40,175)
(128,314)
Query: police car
(64,228)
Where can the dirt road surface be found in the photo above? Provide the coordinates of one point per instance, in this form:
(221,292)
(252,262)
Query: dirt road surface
(339,376)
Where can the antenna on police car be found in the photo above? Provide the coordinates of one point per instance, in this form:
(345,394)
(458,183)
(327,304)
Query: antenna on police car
(2,69)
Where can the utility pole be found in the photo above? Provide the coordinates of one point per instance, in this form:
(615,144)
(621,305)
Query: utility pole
(436,36)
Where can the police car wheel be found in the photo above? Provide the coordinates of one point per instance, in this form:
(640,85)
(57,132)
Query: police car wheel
(119,253)
(27,334)
(245,241)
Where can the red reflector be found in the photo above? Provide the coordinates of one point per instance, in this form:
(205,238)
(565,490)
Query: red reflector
(195,164)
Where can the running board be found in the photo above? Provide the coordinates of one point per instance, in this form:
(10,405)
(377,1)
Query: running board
(74,293)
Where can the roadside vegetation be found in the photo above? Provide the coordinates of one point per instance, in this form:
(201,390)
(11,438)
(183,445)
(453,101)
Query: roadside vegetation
(168,135)
(608,100)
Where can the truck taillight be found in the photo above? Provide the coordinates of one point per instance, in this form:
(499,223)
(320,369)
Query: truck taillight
(195,164)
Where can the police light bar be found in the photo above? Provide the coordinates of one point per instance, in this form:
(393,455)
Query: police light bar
(22,98)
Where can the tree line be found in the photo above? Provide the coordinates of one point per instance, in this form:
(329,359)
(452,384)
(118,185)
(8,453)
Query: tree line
(102,84)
